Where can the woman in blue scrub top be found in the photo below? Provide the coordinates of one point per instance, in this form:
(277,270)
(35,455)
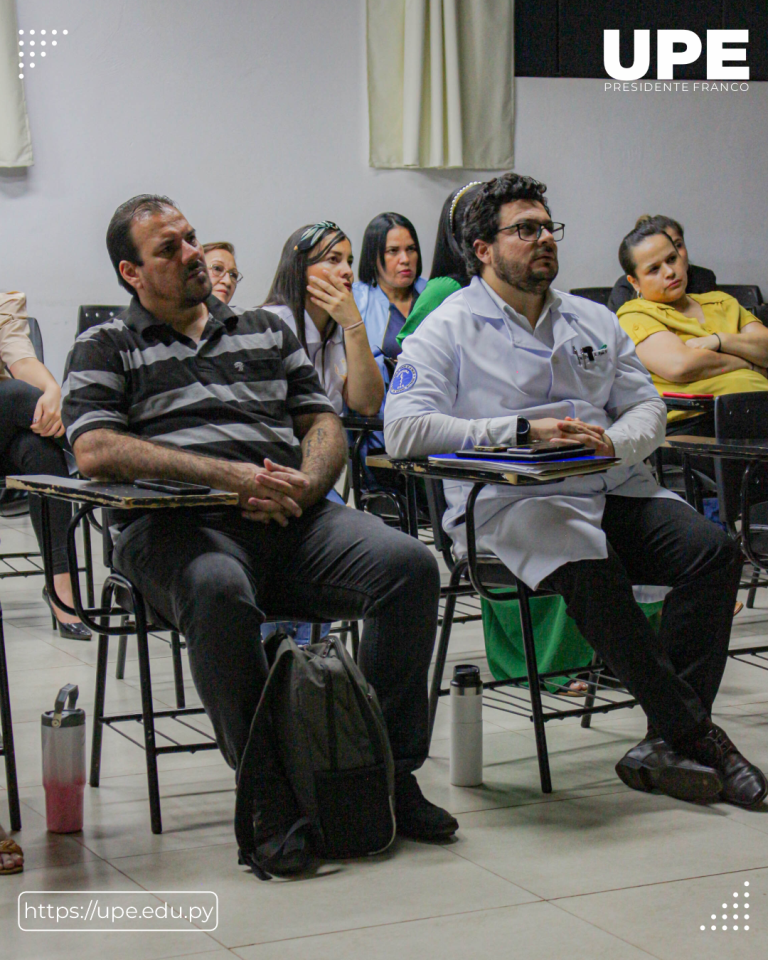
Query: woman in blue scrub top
(390,280)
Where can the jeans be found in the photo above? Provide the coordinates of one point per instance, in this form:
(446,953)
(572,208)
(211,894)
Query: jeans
(24,452)
(674,675)
(217,577)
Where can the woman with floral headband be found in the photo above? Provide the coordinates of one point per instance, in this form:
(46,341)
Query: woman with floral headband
(312,293)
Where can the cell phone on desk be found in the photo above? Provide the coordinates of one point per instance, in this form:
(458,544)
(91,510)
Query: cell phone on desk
(177,487)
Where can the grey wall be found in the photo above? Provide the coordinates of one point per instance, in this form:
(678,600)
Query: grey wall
(252,115)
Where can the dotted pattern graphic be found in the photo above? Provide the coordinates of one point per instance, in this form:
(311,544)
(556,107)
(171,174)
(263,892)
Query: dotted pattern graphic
(29,43)
(742,914)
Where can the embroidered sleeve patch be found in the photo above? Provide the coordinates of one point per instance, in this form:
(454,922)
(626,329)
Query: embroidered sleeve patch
(404,379)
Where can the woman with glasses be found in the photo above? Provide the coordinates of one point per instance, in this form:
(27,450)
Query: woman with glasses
(312,293)
(390,280)
(689,342)
(220,259)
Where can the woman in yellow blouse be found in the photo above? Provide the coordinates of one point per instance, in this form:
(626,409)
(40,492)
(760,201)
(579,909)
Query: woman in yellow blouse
(690,343)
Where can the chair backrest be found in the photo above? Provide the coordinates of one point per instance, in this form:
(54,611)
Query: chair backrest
(739,416)
(747,294)
(37,338)
(91,315)
(598,294)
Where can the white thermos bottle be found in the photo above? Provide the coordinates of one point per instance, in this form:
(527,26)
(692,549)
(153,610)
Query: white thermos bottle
(466,766)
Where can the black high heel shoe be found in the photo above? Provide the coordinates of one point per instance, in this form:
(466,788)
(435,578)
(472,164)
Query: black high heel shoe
(69,631)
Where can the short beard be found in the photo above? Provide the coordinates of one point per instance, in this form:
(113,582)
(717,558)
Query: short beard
(193,299)
(521,278)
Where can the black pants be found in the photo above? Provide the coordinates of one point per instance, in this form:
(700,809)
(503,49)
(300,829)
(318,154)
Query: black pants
(214,575)
(22,451)
(674,675)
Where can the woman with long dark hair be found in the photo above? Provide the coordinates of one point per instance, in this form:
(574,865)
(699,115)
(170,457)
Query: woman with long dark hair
(312,293)
(449,272)
(390,280)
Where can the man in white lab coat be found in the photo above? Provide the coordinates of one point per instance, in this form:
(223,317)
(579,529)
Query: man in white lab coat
(508,360)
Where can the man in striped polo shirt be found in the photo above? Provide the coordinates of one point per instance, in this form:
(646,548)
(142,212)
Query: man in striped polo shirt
(181,387)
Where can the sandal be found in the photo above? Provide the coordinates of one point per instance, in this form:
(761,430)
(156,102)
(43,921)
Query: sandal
(9,848)
(738,608)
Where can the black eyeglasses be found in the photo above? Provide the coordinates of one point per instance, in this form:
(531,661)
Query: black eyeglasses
(530,230)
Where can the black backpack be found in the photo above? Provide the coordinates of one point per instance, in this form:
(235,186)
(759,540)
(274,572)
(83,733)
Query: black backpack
(330,737)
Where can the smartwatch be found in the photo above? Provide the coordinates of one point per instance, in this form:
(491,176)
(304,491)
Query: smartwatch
(523,431)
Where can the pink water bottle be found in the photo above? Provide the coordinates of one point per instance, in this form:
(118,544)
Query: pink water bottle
(64,762)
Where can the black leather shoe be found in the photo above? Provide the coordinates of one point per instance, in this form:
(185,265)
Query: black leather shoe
(653,764)
(69,631)
(744,784)
(417,818)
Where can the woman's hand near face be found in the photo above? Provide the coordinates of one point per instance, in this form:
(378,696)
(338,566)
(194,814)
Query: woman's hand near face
(333,295)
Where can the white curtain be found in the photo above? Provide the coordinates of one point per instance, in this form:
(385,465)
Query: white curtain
(441,83)
(15,140)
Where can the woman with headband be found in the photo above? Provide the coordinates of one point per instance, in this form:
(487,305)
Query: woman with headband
(390,280)
(312,293)
(449,273)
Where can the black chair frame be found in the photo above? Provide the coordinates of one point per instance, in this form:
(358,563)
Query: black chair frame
(7,750)
(481,574)
(121,599)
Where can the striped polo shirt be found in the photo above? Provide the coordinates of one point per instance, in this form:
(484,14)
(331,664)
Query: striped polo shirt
(233,395)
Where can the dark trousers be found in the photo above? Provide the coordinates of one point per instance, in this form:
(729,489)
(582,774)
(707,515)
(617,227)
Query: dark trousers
(674,675)
(214,575)
(22,451)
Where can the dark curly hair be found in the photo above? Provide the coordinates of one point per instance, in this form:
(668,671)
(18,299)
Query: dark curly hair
(481,221)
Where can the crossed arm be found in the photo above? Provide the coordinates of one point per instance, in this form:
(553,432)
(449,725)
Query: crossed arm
(267,493)
(699,358)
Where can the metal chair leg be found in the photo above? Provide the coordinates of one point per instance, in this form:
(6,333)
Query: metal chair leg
(89,590)
(98,699)
(178,671)
(148,718)
(122,649)
(442,648)
(6,727)
(589,701)
(535,691)
(753,589)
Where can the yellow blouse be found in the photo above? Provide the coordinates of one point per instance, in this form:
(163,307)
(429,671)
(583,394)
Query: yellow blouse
(722,314)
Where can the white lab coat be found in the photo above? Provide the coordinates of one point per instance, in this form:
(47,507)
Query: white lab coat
(468,360)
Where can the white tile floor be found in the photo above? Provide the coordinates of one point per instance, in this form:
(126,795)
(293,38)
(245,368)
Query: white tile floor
(591,871)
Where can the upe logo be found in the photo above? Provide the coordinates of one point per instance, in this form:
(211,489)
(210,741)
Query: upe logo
(688,50)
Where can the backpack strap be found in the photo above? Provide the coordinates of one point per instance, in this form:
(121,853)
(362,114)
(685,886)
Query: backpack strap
(259,741)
